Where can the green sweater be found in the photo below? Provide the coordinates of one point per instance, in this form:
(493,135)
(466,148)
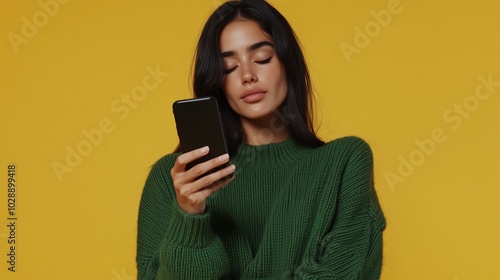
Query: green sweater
(291,212)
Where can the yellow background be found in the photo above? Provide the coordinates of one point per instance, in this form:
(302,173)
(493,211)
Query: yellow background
(443,217)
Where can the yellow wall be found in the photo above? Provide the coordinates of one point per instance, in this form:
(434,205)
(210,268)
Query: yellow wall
(422,87)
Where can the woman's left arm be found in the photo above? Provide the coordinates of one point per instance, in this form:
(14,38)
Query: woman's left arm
(353,247)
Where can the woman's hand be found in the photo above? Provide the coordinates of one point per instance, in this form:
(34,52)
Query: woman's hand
(191,193)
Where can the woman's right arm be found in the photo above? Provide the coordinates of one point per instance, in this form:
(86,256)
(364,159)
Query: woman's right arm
(172,244)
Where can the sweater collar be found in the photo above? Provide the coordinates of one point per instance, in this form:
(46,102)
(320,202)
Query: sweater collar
(269,155)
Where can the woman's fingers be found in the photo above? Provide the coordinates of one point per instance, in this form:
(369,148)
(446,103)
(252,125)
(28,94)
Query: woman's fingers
(194,186)
(185,158)
(199,197)
(208,180)
(192,197)
(202,168)
(207,191)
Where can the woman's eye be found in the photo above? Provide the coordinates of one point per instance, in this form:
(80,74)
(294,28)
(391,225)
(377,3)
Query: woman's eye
(227,71)
(264,61)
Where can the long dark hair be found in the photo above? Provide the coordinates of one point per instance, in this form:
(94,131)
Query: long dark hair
(208,70)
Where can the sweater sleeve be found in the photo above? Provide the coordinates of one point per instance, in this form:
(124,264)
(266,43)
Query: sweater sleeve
(352,249)
(170,243)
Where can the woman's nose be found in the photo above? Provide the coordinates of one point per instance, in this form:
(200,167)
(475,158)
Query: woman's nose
(247,74)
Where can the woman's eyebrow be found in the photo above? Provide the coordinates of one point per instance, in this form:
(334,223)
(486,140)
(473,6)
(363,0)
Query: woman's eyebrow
(250,48)
(259,45)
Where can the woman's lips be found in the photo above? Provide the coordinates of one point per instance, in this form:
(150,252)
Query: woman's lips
(253,95)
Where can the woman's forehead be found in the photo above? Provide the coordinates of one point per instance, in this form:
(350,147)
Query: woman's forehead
(240,35)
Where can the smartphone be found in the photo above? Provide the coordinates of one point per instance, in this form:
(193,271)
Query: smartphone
(198,124)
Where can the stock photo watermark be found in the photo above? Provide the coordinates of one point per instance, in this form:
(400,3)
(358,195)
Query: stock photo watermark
(454,117)
(11,222)
(31,26)
(121,107)
(364,36)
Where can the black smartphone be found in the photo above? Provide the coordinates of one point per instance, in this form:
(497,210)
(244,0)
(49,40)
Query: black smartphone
(198,124)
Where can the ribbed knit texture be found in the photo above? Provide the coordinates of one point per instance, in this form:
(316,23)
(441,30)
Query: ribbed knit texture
(290,213)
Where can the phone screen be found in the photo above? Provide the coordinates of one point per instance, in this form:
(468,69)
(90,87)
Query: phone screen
(198,124)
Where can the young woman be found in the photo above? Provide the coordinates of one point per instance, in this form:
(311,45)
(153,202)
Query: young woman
(295,207)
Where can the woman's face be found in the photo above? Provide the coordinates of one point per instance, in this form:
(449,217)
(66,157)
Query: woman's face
(254,78)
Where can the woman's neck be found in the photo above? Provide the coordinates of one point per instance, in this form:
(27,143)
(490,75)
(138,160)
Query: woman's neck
(262,132)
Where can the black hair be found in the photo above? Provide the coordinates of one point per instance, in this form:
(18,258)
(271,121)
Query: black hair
(208,70)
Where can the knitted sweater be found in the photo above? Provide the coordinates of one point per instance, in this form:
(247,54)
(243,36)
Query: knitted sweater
(291,212)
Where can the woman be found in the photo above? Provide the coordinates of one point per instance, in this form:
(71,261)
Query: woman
(295,207)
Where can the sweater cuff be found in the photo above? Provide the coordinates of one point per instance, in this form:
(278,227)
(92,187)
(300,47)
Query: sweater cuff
(189,230)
